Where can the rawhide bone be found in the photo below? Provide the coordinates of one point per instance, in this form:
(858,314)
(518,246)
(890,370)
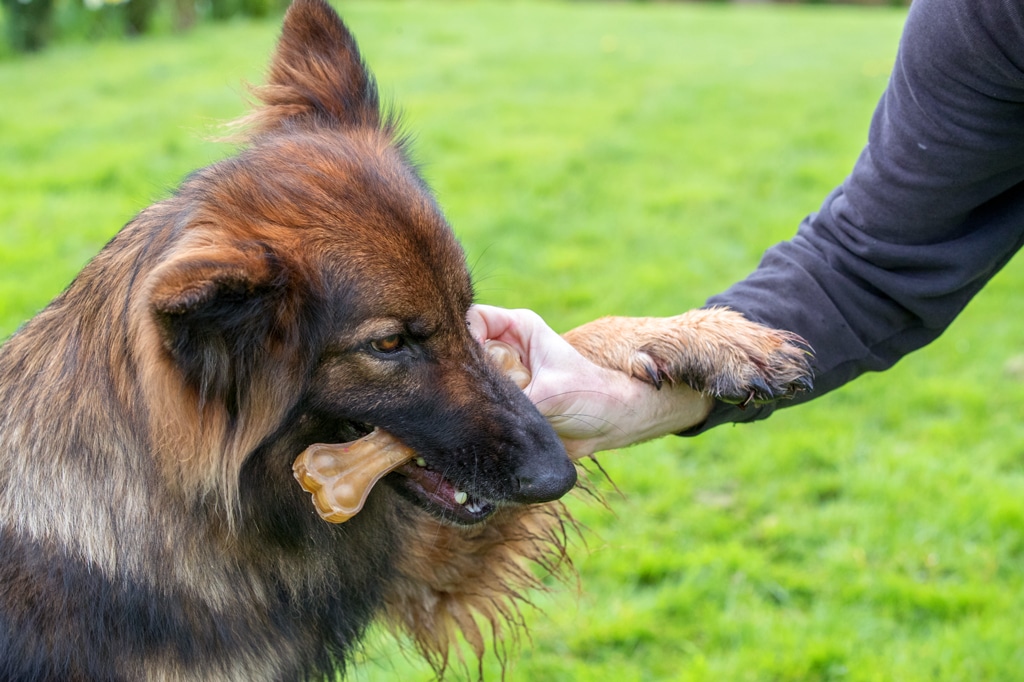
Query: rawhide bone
(339,476)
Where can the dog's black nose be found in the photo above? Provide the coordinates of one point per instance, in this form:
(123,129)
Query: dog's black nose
(544,479)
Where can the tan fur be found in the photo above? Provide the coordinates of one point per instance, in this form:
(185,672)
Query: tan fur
(452,580)
(715,351)
(200,453)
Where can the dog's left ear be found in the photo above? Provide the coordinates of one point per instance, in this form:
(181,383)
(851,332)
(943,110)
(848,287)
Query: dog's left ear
(317,76)
(219,310)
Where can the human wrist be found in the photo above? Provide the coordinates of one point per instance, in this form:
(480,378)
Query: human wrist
(646,412)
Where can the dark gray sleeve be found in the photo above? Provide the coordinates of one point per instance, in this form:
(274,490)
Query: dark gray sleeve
(933,208)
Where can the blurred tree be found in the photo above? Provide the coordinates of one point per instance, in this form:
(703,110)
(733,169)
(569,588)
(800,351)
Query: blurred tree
(185,14)
(138,14)
(255,8)
(28,23)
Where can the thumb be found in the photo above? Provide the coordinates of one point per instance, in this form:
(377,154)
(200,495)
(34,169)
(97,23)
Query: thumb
(514,327)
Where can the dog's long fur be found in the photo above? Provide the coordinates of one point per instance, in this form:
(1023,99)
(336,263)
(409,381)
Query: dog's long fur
(150,527)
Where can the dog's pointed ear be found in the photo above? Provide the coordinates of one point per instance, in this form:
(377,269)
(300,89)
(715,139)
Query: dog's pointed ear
(317,76)
(217,310)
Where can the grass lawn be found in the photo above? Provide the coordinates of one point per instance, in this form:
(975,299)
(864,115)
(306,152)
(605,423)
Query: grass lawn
(613,158)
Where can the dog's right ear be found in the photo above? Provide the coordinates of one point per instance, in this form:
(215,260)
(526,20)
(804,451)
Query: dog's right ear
(218,310)
(317,76)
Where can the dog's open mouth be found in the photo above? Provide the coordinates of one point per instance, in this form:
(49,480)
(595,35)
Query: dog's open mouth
(433,492)
(339,477)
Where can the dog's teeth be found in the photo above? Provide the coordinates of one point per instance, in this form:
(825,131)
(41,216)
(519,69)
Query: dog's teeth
(420,462)
(475,507)
(461,497)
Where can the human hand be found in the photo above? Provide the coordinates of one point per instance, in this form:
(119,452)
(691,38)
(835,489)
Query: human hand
(592,408)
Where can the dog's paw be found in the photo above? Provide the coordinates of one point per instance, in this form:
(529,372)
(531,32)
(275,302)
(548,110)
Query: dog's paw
(715,351)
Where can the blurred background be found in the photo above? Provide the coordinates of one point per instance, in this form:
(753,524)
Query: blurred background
(29,25)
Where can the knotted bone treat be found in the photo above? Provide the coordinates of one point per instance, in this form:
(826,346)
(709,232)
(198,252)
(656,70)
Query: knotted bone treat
(339,476)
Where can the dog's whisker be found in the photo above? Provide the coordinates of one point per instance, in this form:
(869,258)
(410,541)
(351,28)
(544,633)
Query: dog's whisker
(597,424)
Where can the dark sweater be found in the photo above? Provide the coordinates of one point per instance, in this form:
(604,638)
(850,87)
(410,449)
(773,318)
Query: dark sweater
(933,208)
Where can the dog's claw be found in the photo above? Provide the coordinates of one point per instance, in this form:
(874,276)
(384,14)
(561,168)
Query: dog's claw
(654,375)
(804,383)
(645,367)
(761,390)
(746,401)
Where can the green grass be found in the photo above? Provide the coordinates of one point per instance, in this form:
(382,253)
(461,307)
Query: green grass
(631,159)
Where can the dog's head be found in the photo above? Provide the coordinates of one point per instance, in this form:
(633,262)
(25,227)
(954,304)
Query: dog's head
(310,290)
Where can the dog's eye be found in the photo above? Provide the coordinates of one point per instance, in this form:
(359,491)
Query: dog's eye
(388,344)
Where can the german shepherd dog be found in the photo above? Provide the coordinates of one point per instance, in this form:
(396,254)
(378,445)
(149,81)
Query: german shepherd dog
(307,290)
